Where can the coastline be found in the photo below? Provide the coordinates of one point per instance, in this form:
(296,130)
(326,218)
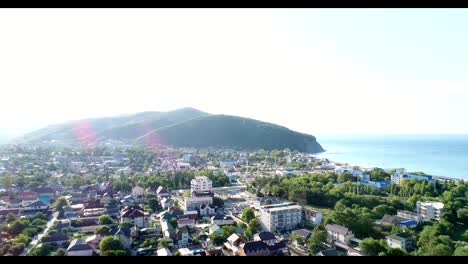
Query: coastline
(364,168)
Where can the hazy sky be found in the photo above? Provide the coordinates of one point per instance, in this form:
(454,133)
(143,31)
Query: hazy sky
(317,71)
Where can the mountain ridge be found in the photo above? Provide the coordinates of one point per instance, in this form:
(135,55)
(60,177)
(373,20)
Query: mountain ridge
(185,127)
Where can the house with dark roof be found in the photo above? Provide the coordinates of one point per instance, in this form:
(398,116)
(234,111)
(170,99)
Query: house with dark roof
(79,248)
(267,237)
(254,248)
(56,238)
(36,206)
(124,235)
(279,249)
(133,214)
(338,233)
(331,252)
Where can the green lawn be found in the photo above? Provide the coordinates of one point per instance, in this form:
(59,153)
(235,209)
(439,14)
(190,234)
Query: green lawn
(324,210)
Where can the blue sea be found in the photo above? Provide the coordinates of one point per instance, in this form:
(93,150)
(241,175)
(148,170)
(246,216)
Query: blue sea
(438,155)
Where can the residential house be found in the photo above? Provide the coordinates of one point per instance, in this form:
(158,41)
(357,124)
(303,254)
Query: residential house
(191,214)
(197,200)
(124,235)
(182,235)
(36,206)
(166,202)
(28,197)
(207,210)
(267,237)
(254,248)
(304,233)
(221,220)
(138,191)
(56,238)
(315,217)
(338,233)
(402,241)
(63,224)
(79,248)
(46,194)
(214,229)
(106,199)
(93,209)
(151,190)
(185,222)
(134,214)
(162,192)
(233,243)
(128,200)
(93,240)
(279,248)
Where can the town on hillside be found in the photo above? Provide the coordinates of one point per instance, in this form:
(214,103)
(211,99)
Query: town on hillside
(117,200)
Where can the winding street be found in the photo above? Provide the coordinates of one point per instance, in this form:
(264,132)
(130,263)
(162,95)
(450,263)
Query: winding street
(38,237)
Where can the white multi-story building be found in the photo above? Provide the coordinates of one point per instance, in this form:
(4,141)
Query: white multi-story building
(201,184)
(429,210)
(280,217)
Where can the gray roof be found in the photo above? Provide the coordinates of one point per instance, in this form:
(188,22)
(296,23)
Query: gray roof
(337,228)
(303,232)
(78,245)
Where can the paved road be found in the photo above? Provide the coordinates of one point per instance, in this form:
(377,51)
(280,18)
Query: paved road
(37,238)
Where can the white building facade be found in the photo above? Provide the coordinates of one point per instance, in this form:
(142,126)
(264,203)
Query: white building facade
(280,216)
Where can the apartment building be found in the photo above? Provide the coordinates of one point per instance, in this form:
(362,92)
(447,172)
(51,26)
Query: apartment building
(280,217)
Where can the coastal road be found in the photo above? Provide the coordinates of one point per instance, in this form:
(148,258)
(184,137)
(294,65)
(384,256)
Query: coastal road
(37,238)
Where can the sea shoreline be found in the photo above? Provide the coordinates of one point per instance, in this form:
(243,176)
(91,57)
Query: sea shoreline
(364,168)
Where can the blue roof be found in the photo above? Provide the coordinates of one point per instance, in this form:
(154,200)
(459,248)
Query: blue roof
(408,222)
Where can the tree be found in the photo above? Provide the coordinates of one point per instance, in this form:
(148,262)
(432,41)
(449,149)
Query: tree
(218,202)
(40,215)
(316,239)
(105,220)
(461,250)
(298,238)
(110,243)
(38,222)
(153,204)
(372,246)
(173,222)
(248,214)
(15,228)
(11,217)
(396,252)
(268,201)
(462,215)
(346,177)
(103,231)
(59,253)
(41,250)
(60,203)
(7,182)
(380,210)
(126,224)
(114,253)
